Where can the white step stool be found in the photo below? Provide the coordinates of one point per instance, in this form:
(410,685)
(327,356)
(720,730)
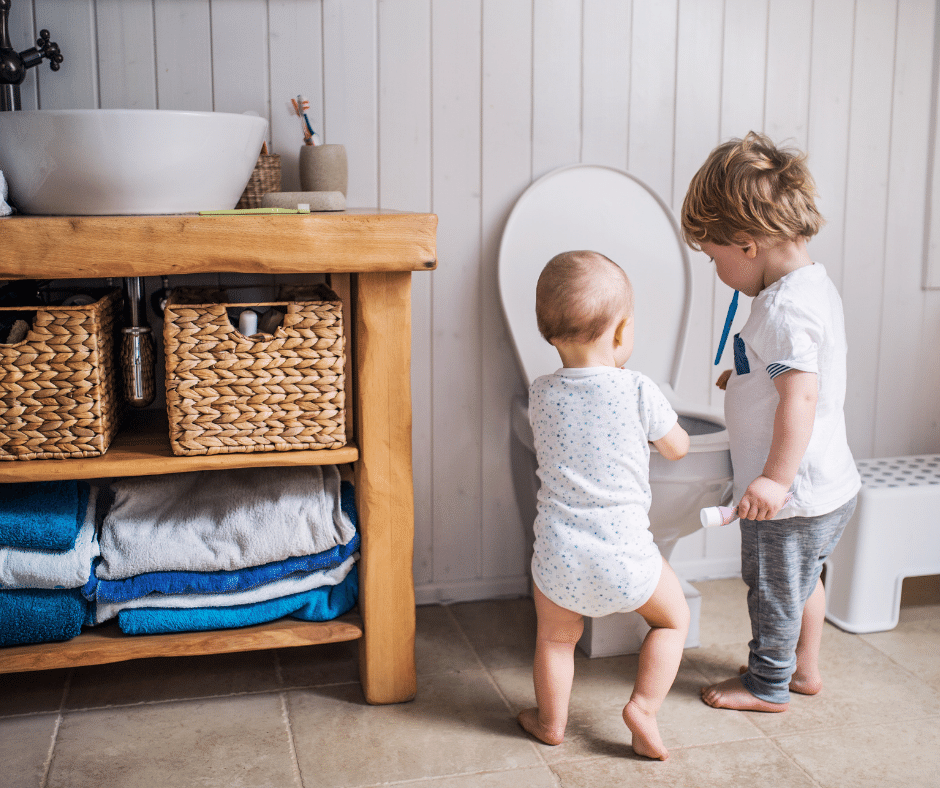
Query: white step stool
(894,533)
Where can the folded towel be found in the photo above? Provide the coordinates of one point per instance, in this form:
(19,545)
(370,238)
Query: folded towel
(221,520)
(42,515)
(218,582)
(318,604)
(54,568)
(39,615)
(263,593)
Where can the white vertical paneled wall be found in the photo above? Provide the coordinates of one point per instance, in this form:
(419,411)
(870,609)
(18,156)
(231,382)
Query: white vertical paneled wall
(455,106)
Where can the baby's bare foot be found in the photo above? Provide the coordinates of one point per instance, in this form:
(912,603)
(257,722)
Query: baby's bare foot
(529,720)
(731,694)
(646,738)
(803,684)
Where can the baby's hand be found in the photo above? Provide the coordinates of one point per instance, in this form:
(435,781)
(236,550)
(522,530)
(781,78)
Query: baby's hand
(723,378)
(762,500)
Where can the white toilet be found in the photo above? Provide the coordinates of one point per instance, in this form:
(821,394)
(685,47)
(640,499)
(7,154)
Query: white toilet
(611,212)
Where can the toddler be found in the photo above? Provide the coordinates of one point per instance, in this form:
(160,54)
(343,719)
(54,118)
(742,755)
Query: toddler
(751,209)
(594,553)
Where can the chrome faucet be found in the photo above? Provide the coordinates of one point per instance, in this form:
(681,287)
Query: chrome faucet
(14,65)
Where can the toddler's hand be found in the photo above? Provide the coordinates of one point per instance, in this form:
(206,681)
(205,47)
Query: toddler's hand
(723,378)
(762,500)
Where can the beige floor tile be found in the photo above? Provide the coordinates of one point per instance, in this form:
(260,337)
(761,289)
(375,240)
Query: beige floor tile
(877,756)
(536,777)
(861,686)
(914,644)
(754,764)
(312,666)
(226,742)
(32,692)
(440,645)
(724,617)
(24,748)
(458,724)
(601,689)
(163,679)
(501,632)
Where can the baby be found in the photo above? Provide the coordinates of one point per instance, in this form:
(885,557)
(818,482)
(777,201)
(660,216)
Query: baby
(594,554)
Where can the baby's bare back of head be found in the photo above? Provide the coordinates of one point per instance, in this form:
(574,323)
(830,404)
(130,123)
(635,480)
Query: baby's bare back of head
(578,295)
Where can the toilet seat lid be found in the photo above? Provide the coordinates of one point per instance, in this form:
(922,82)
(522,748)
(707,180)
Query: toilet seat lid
(609,211)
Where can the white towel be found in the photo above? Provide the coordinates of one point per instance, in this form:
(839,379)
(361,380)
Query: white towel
(54,568)
(221,520)
(275,590)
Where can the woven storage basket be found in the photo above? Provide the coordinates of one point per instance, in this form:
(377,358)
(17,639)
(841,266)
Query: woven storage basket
(58,387)
(229,393)
(266,177)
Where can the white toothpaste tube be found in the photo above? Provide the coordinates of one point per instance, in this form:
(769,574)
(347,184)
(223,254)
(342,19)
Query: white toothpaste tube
(713,516)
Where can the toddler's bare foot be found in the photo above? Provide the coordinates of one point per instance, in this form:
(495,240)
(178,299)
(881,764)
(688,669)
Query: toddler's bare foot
(646,738)
(529,720)
(804,685)
(731,694)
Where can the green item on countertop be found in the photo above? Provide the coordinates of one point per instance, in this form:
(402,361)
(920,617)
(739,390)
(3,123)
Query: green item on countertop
(238,211)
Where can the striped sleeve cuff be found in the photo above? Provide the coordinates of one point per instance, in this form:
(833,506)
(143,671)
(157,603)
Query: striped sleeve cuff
(777,369)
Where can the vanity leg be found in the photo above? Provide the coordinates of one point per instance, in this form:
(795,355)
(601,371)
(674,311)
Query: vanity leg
(384,492)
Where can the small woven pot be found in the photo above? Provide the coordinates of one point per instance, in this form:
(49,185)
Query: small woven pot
(229,393)
(266,177)
(58,386)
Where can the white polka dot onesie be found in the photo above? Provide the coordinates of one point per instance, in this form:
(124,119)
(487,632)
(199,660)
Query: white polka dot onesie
(594,553)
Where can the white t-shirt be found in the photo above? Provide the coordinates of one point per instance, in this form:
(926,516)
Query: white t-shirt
(594,553)
(795,323)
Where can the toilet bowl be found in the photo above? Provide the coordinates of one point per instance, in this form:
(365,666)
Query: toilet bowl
(609,211)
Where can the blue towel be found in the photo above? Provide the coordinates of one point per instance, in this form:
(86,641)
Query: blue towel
(221,582)
(53,568)
(42,515)
(320,604)
(37,615)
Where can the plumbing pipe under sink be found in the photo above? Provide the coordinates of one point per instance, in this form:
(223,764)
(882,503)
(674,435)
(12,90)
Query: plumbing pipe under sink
(138,356)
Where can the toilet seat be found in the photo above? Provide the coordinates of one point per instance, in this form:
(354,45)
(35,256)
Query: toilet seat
(609,211)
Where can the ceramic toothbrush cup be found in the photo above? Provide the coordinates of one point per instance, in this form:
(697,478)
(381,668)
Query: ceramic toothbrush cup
(323,168)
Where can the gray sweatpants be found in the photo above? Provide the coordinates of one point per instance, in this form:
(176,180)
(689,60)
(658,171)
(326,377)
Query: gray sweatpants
(781,561)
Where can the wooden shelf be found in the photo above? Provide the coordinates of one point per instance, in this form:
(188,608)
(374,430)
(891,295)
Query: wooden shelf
(85,247)
(142,448)
(106,643)
(380,249)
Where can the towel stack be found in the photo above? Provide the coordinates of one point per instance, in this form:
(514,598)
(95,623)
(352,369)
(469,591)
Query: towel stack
(227,548)
(48,542)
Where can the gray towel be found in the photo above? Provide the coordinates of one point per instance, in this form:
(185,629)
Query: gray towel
(221,520)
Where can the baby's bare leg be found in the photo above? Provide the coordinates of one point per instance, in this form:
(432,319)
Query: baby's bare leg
(668,615)
(553,671)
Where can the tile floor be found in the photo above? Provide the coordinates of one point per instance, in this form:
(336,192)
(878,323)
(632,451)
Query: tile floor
(296,717)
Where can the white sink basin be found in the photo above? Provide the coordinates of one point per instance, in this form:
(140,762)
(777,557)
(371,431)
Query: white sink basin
(95,162)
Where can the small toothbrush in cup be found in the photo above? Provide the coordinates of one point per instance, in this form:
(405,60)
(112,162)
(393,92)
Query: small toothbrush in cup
(714,516)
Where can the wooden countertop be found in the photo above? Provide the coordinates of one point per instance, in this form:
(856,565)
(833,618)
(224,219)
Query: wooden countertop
(82,247)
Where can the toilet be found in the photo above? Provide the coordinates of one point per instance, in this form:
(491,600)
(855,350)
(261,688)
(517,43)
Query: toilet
(610,211)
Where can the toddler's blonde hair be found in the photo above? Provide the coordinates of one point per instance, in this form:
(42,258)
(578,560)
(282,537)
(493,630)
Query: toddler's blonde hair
(579,294)
(750,186)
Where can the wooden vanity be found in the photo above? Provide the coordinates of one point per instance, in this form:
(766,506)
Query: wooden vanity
(368,257)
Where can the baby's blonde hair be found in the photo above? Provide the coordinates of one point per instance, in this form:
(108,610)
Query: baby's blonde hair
(579,294)
(750,187)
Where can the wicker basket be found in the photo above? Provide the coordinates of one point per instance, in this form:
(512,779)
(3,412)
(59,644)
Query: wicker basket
(229,393)
(58,387)
(266,177)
